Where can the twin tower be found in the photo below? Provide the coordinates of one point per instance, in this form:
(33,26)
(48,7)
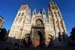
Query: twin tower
(39,27)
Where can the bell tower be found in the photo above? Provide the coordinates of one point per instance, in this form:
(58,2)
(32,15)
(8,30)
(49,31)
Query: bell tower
(58,23)
(21,24)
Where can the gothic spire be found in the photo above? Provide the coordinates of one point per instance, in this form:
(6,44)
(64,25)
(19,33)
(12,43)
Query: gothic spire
(34,11)
(43,11)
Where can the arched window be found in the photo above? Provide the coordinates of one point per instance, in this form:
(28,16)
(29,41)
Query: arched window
(22,13)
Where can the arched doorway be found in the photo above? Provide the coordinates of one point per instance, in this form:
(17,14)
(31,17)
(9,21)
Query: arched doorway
(38,34)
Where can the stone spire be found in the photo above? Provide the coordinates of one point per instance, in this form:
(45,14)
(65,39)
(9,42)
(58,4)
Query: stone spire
(43,11)
(34,11)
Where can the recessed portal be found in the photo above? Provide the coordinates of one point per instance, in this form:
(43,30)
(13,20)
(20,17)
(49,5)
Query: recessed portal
(38,33)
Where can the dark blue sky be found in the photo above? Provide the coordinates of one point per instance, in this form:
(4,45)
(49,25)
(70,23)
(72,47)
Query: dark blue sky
(9,9)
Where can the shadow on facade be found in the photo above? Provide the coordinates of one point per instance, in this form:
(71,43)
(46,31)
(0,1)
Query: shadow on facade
(22,43)
(13,43)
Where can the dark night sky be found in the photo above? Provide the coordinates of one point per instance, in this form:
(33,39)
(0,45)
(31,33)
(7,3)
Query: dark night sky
(9,9)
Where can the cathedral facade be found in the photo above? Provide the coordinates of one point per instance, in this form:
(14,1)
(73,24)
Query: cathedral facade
(40,27)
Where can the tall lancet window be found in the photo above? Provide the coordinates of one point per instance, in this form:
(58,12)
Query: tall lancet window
(59,14)
(22,13)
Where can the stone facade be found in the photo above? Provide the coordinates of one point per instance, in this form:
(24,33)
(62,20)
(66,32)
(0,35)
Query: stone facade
(1,21)
(39,26)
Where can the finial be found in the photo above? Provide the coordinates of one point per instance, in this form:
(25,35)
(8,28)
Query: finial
(34,11)
(43,11)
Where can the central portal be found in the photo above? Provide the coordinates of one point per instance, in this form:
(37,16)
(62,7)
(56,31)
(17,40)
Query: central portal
(38,34)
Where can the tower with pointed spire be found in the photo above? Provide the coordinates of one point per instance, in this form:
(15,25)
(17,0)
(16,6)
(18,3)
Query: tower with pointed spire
(40,28)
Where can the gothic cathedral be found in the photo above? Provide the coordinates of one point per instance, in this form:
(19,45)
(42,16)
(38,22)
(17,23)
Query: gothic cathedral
(40,28)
